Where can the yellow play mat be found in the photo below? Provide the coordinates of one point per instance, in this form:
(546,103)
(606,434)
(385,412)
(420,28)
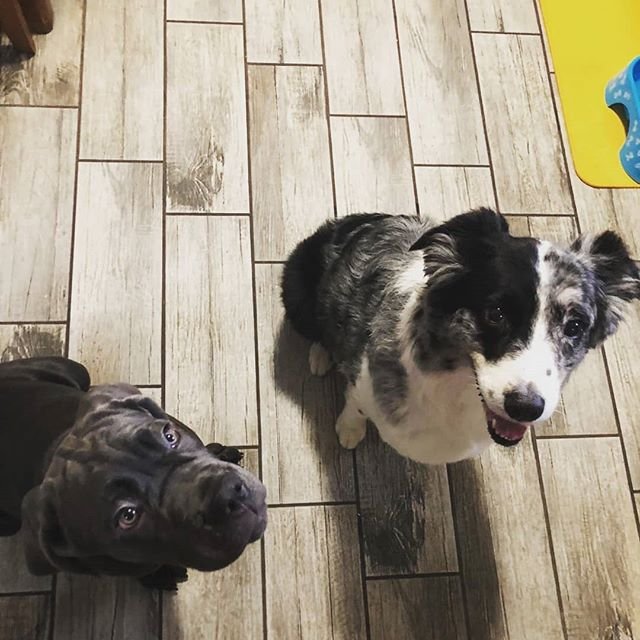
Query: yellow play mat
(591,41)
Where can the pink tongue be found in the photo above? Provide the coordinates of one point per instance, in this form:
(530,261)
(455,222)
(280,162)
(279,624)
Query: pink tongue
(508,429)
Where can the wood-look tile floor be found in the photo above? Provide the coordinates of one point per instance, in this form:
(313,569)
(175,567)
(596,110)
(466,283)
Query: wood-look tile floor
(160,158)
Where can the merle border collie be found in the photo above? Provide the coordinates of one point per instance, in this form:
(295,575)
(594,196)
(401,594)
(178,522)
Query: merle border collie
(455,335)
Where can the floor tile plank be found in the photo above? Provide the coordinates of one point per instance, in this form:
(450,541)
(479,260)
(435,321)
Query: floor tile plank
(219,604)
(313,578)
(283,31)
(363,69)
(372,165)
(291,164)
(104,607)
(526,151)
(116,294)
(206,119)
(624,367)
(25,617)
(205,10)
(416,609)
(504,549)
(503,16)
(594,536)
(38,147)
(586,406)
(439,82)
(122,84)
(52,77)
(302,459)
(210,361)
(405,508)
(444,192)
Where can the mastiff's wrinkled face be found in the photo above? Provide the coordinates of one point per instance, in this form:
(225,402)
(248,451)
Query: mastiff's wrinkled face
(129,489)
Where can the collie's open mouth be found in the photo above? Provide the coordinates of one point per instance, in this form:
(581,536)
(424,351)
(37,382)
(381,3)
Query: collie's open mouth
(503,431)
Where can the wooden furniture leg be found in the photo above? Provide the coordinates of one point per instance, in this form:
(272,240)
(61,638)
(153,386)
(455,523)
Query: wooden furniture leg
(15,26)
(38,14)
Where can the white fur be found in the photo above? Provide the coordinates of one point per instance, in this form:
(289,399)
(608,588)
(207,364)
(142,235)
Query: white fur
(534,366)
(443,419)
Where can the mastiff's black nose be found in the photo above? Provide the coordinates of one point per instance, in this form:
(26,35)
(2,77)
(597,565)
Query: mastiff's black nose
(229,498)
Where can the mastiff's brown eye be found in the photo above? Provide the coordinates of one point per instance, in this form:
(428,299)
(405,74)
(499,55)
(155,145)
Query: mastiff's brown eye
(171,435)
(128,517)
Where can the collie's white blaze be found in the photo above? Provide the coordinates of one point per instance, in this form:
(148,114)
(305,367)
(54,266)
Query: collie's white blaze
(535,366)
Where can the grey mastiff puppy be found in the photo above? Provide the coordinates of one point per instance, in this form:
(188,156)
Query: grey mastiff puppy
(103,481)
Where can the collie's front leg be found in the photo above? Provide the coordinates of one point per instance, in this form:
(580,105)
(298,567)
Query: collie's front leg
(319,360)
(351,425)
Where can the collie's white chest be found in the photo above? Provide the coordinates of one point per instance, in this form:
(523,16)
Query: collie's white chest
(444,420)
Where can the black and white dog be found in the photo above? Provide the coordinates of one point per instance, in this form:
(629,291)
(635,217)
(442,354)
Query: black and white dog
(455,335)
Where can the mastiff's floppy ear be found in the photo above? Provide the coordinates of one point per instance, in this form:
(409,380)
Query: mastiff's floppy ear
(226,454)
(46,548)
(56,370)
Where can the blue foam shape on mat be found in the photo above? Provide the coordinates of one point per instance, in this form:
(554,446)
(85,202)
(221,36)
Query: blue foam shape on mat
(623,96)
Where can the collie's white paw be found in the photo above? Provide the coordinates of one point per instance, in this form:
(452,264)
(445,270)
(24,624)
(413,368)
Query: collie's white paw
(319,359)
(351,430)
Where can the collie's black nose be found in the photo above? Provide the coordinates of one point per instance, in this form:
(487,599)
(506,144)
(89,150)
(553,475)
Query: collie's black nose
(523,407)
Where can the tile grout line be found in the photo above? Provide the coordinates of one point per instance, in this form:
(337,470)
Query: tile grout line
(503,33)
(361,544)
(314,503)
(406,110)
(163,276)
(18,594)
(254,293)
(577,436)
(456,539)
(415,576)
(118,161)
(284,64)
(46,323)
(205,214)
(327,109)
(565,153)
(620,436)
(463,585)
(54,581)
(205,22)
(39,106)
(557,115)
(453,166)
(389,116)
(547,522)
(481,104)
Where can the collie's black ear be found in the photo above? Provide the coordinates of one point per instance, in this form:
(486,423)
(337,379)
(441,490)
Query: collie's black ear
(617,279)
(472,225)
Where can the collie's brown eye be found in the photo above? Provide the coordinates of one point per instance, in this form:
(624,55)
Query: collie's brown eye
(171,435)
(128,517)
(495,316)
